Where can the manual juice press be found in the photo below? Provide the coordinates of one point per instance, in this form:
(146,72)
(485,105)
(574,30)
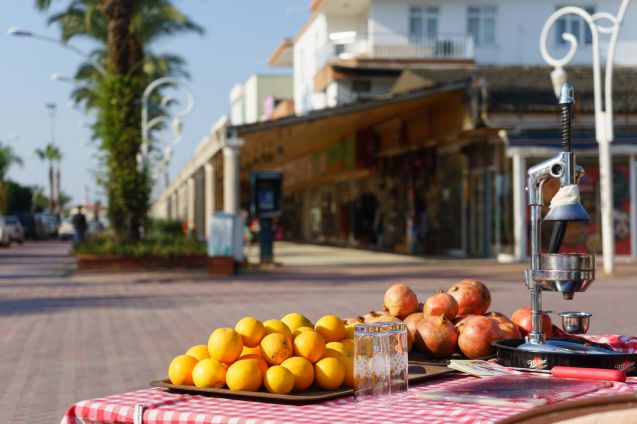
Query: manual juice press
(554,271)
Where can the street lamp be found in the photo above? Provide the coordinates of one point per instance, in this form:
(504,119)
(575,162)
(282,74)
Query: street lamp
(603,113)
(171,121)
(20,32)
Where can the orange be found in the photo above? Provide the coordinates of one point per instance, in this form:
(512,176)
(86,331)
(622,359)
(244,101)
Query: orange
(251,350)
(263,366)
(331,328)
(302,330)
(348,363)
(303,372)
(199,352)
(276,348)
(349,330)
(341,348)
(276,326)
(251,331)
(309,345)
(333,353)
(329,373)
(209,373)
(349,345)
(225,345)
(180,370)
(244,375)
(296,320)
(278,380)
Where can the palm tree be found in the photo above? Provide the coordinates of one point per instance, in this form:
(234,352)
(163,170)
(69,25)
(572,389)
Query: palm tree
(126,29)
(7,158)
(53,156)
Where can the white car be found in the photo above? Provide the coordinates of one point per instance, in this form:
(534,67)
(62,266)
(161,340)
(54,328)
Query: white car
(5,237)
(65,230)
(14,228)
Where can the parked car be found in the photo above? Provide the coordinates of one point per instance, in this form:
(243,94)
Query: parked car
(50,224)
(5,238)
(16,232)
(65,230)
(33,226)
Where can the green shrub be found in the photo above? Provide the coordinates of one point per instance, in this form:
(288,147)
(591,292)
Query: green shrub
(169,245)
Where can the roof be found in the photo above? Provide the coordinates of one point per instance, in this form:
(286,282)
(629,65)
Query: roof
(527,88)
(582,139)
(376,101)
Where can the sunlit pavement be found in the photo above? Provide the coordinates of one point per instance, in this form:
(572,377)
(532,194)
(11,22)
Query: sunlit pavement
(66,337)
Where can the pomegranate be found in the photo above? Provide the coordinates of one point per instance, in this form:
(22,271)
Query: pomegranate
(353,320)
(400,301)
(473,297)
(412,322)
(498,317)
(441,303)
(522,317)
(476,336)
(459,321)
(508,330)
(379,316)
(438,337)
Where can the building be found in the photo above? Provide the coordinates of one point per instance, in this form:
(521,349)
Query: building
(403,34)
(260,98)
(415,124)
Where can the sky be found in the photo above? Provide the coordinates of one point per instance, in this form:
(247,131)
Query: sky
(240,36)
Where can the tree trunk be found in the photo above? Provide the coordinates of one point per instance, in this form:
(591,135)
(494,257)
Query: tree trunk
(119,13)
(120,114)
(51,187)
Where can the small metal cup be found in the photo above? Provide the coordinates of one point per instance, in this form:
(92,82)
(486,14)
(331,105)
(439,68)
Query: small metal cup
(576,322)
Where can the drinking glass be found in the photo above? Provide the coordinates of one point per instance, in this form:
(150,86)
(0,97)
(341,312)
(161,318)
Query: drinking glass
(398,360)
(372,370)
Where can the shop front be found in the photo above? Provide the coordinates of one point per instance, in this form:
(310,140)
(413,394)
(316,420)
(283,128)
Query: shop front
(412,175)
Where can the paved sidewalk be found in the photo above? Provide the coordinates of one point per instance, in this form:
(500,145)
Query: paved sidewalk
(66,337)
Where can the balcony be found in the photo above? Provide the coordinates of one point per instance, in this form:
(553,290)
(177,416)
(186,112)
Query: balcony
(394,46)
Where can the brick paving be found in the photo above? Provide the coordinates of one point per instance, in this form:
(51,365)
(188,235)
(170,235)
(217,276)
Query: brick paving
(66,337)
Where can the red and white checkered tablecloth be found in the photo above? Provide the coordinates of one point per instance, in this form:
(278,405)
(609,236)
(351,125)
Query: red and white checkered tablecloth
(163,407)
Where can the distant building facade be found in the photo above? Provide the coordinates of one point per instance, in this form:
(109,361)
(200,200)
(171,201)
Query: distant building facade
(414,124)
(428,33)
(257,98)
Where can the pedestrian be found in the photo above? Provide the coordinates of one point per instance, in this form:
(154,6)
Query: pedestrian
(79,225)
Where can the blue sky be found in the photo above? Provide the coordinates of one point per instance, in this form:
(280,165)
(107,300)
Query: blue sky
(240,35)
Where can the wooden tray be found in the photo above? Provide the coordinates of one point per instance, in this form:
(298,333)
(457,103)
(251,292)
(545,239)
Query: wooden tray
(417,374)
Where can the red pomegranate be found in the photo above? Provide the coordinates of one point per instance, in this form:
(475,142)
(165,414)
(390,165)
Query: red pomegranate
(508,330)
(498,317)
(412,322)
(476,336)
(459,321)
(522,317)
(379,316)
(400,301)
(441,303)
(438,337)
(473,297)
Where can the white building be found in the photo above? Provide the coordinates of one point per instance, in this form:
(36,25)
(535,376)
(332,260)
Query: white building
(428,33)
(256,99)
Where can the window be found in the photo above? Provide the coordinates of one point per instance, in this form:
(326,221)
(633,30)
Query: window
(423,22)
(575,25)
(481,24)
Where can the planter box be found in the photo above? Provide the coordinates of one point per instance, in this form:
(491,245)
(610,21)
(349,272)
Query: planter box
(119,262)
(221,265)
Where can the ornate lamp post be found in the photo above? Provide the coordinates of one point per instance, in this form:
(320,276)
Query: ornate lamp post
(603,111)
(171,121)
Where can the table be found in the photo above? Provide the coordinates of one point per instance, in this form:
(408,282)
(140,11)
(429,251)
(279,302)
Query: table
(157,405)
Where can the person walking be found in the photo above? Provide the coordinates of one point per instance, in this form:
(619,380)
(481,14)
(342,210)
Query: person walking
(79,224)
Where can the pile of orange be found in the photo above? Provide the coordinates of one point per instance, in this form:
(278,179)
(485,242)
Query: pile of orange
(281,356)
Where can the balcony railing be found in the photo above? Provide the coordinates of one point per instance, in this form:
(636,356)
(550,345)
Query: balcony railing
(396,46)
